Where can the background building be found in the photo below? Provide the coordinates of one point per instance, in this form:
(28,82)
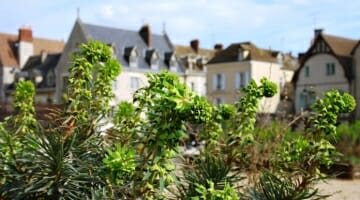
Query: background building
(232,68)
(331,62)
(15,50)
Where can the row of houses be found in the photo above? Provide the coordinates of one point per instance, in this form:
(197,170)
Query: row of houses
(218,73)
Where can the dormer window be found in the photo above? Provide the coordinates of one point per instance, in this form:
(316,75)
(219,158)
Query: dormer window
(133,60)
(131,55)
(173,63)
(152,58)
(154,62)
(279,58)
(170,61)
(243,54)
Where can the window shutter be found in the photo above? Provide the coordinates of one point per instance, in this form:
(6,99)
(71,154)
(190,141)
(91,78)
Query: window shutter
(214,81)
(247,78)
(237,80)
(223,81)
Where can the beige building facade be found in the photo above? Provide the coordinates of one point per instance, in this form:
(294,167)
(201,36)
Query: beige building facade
(329,63)
(233,68)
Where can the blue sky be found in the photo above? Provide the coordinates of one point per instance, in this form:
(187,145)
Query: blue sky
(285,25)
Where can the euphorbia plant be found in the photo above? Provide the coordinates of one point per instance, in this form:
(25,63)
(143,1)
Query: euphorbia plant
(63,158)
(301,158)
(167,104)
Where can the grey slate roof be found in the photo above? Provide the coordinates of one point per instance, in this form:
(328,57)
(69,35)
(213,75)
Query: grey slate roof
(123,39)
(43,66)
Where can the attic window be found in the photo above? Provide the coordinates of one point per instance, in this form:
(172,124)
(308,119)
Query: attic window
(173,64)
(131,55)
(152,58)
(133,60)
(154,61)
(279,58)
(243,54)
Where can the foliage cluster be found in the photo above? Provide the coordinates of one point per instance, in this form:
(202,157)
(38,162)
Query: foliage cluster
(69,156)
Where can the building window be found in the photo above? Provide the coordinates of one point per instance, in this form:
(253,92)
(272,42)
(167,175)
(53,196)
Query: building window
(242,79)
(192,84)
(50,79)
(173,64)
(114,84)
(330,69)
(241,55)
(307,99)
(154,62)
(307,71)
(134,83)
(133,60)
(219,81)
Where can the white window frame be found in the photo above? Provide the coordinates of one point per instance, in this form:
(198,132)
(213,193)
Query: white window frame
(114,84)
(133,59)
(219,81)
(154,62)
(134,83)
(173,64)
(242,79)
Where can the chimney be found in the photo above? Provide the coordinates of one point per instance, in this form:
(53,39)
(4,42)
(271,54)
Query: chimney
(317,32)
(195,45)
(145,34)
(218,47)
(25,34)
(25,45)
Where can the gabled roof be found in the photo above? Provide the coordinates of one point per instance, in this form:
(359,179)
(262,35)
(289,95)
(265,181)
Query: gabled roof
(231,53)
(9,43)
(123,39)
(200,56)
(182,50)
(340,47)
(43,64)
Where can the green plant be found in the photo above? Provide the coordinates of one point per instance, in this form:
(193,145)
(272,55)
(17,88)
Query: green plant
(207,171)
(63,158)
(308,153)
(67,157)
(120,163)
(326,113)
(210,193)
(13,132)
(238,133)
(168,105)
(279,187)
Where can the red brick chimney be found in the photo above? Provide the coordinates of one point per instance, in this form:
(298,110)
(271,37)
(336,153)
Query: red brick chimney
(25,45)
(25,34)
(195,45)
(145,34)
